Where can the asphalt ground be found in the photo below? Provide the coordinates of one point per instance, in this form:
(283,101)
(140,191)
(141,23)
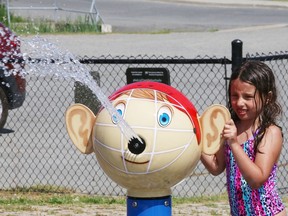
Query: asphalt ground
(263,38)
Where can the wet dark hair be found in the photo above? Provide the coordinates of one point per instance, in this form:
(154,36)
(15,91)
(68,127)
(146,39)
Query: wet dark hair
(258,74)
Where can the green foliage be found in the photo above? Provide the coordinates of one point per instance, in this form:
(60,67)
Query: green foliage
(26,26)
(3,14)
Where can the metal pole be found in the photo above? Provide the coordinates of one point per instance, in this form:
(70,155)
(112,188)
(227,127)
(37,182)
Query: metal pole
(55,11)
(236,53)
(226,78)
(94,11)
(149,206)
(8,12)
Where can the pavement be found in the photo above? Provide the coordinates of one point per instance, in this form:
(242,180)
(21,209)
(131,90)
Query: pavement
(256,39)
(262,3)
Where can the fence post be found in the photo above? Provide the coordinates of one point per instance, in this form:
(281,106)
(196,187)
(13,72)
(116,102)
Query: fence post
(8,11)
(237,58)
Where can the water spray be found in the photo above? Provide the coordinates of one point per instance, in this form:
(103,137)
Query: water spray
(46,59)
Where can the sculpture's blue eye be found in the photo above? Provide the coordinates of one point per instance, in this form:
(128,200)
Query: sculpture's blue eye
(120,111)
(120,108)
(164,116)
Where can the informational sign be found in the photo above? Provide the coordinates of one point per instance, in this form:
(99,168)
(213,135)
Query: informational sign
(161,75)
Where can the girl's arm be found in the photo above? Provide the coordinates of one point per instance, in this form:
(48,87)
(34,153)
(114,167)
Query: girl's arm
(256,173)
(215,164)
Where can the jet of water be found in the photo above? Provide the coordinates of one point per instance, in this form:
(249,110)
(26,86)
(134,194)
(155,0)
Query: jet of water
(47,59)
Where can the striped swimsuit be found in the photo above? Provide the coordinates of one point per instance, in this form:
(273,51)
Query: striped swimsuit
(244,200)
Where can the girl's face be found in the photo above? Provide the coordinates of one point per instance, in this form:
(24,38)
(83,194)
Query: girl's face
(245,100)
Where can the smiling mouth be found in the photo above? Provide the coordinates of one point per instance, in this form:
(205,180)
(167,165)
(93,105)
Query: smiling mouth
(241,112)
(134,162)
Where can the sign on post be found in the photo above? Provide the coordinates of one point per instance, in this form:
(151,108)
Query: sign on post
(152,74)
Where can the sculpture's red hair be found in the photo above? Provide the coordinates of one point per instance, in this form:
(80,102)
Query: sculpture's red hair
(173,96)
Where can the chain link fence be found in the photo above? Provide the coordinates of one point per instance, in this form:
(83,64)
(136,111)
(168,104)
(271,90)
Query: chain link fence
(39,152)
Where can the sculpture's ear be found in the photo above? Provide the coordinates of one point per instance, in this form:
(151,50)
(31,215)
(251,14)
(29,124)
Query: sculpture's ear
(79,124)
(212,122)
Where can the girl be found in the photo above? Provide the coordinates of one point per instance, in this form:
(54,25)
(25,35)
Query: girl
(253,143)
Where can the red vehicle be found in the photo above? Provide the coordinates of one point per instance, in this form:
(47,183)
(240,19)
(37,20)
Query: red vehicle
(12,82)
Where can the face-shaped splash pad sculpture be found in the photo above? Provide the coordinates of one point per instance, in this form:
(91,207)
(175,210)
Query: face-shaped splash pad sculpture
(173,137)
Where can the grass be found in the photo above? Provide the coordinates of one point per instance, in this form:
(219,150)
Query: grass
(201,199)
(27,26)
(49,195)
(42,195)
(58,201)
(46,194)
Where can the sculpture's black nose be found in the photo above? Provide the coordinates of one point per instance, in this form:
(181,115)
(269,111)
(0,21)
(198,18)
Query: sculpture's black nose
(136,146)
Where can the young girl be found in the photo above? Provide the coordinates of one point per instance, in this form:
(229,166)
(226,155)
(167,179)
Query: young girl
(253,143)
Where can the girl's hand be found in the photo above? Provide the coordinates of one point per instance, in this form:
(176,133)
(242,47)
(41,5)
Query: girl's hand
(229,132)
